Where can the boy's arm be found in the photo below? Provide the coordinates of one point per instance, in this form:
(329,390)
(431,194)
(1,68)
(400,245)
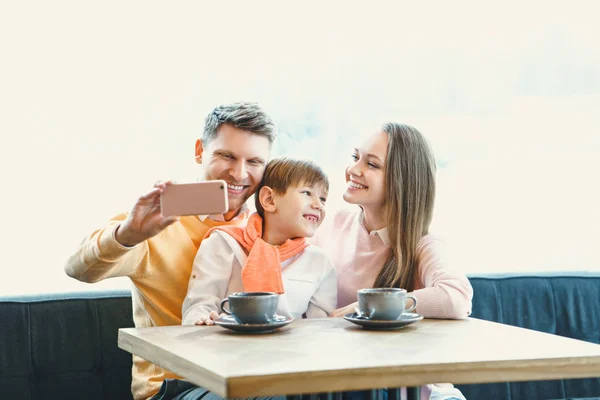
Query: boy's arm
(324,300)
(101,256)
(210,277)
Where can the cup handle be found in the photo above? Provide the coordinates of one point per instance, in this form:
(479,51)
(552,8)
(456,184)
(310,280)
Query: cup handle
(225,300)
(414,303)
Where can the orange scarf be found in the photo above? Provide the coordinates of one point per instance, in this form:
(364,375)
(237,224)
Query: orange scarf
(262,272)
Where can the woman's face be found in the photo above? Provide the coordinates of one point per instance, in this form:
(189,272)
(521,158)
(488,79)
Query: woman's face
(365,176)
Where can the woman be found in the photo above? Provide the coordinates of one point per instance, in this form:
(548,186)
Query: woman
(385,241)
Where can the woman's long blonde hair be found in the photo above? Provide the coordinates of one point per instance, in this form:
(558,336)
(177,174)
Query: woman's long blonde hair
(409,199)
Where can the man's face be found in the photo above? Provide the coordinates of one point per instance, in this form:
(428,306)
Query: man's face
(239,158)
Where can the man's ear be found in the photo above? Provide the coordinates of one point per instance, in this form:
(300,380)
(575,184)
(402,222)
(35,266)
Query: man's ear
(199,151)
(266,196)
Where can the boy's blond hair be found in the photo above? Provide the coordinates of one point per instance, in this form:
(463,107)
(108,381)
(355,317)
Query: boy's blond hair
(283,173)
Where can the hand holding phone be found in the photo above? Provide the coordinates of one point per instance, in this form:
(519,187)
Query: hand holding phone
(145,219)
(208,197)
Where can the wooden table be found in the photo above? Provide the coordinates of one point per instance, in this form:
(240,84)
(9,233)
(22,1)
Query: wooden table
(331,354)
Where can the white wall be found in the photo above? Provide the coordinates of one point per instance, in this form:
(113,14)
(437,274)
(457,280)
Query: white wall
(99,100)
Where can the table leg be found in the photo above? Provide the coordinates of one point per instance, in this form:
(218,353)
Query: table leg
(330,396)
(319,396)
(394,393)
(413,393)
(376,394)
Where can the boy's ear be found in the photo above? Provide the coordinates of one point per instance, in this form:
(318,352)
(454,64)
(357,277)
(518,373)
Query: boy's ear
(266,196)
(199,151)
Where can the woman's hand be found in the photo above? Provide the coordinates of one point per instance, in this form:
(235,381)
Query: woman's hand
(340,312)
(208,321)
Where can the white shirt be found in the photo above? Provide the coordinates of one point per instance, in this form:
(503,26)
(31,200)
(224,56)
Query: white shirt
(309,280)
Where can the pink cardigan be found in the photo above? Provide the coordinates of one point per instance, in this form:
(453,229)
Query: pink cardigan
(358,257)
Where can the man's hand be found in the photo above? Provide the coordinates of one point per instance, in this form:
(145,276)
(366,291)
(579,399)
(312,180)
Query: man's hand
(340,312)
(208,321)
(145,219)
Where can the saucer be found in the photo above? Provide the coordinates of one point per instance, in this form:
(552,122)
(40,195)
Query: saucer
(230,323)
(404,320)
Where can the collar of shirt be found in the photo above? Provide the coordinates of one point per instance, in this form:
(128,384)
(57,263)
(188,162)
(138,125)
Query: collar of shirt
(383,235)
(219,217)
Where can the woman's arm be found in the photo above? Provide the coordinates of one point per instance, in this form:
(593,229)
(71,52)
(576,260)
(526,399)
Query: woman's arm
(446,293)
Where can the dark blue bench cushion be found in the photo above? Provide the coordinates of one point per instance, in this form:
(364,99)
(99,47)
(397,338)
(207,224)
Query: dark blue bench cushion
(36,330)
(64,346)
(562,304)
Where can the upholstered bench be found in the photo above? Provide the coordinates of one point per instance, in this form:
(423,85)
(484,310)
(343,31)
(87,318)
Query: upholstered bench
(566,304)
(64,346)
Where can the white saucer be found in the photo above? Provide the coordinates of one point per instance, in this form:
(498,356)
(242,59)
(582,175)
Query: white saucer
(230,323)
(404,320)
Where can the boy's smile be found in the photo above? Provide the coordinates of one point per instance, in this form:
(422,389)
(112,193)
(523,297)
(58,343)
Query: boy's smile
(312,218)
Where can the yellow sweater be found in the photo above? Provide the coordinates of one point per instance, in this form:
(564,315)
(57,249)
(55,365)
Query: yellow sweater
(159,268)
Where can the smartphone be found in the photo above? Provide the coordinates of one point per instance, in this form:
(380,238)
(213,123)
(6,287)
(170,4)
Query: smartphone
(208,197)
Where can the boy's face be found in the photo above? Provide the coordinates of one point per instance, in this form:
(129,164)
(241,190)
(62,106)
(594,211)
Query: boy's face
(300,210)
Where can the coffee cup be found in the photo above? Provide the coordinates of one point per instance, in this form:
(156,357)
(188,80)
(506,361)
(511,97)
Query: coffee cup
(383,303)
(251,307)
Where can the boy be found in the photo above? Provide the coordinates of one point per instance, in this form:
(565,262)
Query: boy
(271,254)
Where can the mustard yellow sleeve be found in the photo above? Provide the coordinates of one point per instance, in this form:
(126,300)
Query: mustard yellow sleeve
(100,256)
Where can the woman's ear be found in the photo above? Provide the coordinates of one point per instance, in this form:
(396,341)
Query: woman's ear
(266,196)
(199,150)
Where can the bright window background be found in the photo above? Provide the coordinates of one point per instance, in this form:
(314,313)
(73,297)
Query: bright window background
(98,101)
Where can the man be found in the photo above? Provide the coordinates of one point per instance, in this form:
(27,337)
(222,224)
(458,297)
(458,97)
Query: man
(157,253)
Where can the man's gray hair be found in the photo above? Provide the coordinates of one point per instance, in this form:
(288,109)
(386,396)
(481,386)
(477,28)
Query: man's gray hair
(241,115)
